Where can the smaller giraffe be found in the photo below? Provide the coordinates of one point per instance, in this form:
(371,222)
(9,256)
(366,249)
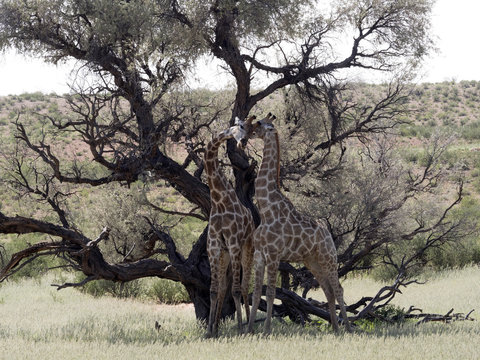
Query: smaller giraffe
(286,235)
(230,232)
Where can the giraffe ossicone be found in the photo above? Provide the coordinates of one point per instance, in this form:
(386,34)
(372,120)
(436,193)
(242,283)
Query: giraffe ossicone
(286,235)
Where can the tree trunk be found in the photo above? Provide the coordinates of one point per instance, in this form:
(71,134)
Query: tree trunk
(195,276)
(201,302)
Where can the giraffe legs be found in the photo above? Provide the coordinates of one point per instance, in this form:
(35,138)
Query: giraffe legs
(240,259)
(219,261)
(338,292)
(257,291)
(237,289)
(272,268)
(328,280)
(247,263)
(328,291)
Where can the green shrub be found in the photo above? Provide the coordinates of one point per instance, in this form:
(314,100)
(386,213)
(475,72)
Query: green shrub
(12,114)
(162,290)
(412,155)
(132,289)
(454,256)
(408,131)
(383,273)
(169,292)
(467,251)
(33,269)
(471,131)
(392,313)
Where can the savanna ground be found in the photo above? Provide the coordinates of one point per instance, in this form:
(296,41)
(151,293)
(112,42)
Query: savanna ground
(39,322)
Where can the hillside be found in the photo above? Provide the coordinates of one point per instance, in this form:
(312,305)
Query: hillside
(448,108)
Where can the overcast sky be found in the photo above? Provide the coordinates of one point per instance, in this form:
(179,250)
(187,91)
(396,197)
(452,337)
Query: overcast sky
(456,26)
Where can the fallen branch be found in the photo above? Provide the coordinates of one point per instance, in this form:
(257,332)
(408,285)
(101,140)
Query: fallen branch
(300,310)
(295,307)
(447,318)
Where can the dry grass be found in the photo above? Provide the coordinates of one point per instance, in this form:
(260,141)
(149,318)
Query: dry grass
(440,292)
(37,322)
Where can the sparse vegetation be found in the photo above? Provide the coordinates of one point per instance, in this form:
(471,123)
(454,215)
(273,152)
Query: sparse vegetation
(462,158)
(39,322)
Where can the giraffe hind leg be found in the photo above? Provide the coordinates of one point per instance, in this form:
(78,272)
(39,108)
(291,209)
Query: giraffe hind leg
(329,294)
(322,279)
(338,292)
(327,277)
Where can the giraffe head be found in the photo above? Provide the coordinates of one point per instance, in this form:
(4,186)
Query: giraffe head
(238,131)
(259,128)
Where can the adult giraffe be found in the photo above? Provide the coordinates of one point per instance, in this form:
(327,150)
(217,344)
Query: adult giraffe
(286,235)
(230,230)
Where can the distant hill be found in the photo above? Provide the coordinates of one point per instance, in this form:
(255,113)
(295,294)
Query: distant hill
(452,108)
(448,108)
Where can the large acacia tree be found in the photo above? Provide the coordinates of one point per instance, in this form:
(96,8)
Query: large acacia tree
(133,58)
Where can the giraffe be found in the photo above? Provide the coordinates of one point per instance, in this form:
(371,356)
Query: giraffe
(229,234)
(286,235)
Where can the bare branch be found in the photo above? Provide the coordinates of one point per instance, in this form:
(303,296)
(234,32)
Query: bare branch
(81,283)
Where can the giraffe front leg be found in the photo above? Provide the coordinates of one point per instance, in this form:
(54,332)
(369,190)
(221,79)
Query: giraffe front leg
(218,267)
(222,290)
(247,263)
(235,256)
(257,291)
(214,268)
(272,268)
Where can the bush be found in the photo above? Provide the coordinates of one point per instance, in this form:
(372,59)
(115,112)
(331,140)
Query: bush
(412,155)
(132,289)
(169,292)
(456,256)
(471,131)
(162,290)
(34,269)
(466,252)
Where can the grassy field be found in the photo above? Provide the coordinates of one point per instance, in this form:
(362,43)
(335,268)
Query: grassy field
(38,322)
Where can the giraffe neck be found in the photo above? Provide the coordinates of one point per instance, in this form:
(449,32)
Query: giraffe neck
(215,177)
(267,181)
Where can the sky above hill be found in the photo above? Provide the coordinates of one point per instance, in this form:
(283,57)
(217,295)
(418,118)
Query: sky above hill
(455,27)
